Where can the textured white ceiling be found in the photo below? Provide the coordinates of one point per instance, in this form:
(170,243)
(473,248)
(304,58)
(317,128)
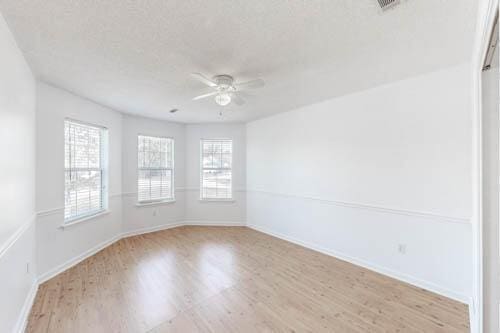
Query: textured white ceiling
(136,56)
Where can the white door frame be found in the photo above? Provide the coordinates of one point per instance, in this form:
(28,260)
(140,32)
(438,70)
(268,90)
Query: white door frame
(485,19)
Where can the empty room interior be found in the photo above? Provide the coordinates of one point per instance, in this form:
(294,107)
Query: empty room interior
(249,166)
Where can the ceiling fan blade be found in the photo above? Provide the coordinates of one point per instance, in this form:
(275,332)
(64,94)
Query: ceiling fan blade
(237,99)
(202,78)
(204,95)
(244,94)
(257,83)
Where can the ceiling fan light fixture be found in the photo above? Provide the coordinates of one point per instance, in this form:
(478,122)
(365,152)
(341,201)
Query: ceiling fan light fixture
(224,89)
(223,99)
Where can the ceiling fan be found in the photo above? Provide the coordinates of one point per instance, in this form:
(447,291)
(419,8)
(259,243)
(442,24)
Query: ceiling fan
(225,89)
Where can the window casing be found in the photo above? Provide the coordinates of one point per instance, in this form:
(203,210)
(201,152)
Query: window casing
(85,170)
(216,169)
(155,180)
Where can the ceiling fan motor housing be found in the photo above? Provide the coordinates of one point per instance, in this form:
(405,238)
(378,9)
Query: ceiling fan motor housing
(224,82)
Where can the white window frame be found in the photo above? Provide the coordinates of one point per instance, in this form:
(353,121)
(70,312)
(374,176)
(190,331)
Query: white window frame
(202,168)
(172,190)
(103,152)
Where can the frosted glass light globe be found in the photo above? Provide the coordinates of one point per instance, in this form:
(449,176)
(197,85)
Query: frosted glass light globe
(223,99)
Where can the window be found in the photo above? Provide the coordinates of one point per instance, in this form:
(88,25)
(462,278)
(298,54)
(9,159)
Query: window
(84,170)
(216,173)
(155,179)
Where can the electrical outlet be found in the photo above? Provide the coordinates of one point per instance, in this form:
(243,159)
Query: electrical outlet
(27,268)
(154,212)
(402,248)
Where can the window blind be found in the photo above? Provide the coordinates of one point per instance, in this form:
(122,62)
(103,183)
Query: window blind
(83,164)
(216,168)
(155,179)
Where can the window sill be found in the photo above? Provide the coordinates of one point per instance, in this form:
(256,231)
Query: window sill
(217,200)
(84,218)
(155,203)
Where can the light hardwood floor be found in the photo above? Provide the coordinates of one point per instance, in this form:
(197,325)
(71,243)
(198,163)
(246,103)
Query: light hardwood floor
(232,279)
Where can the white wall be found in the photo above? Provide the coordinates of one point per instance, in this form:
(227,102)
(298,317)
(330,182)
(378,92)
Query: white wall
(151,216)
(17,118)
(187,207)
(58,248)
(55,245)
(200,212)
(17,182)
(358,175)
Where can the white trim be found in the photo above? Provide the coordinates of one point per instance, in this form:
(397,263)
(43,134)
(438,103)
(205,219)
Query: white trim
(53,211)
(195,189)
(49,212)
(179,223)
(214,223)
(60,210)
(16,235)
(134,194)
(147,230)
(85,123)
(22,320)
(229,200)
(102,168)
(172,224)
(202,168)
(172,176)
(487,10)
(75,260)
(85,218)
(381,209)
(155,203)
(360,262)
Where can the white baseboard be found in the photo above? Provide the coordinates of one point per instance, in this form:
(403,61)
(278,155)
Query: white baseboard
(25,311)
(379,269)
(356,261)
(472,315)
(75,260)
(136,232)
(180,223)
(214,223)
(173,224)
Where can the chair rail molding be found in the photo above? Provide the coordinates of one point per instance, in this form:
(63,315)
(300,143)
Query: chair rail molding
(356,205)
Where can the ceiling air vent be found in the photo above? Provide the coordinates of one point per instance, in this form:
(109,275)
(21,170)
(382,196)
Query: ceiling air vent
(386,4)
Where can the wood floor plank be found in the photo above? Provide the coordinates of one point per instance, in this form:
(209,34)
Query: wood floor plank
(227,279)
